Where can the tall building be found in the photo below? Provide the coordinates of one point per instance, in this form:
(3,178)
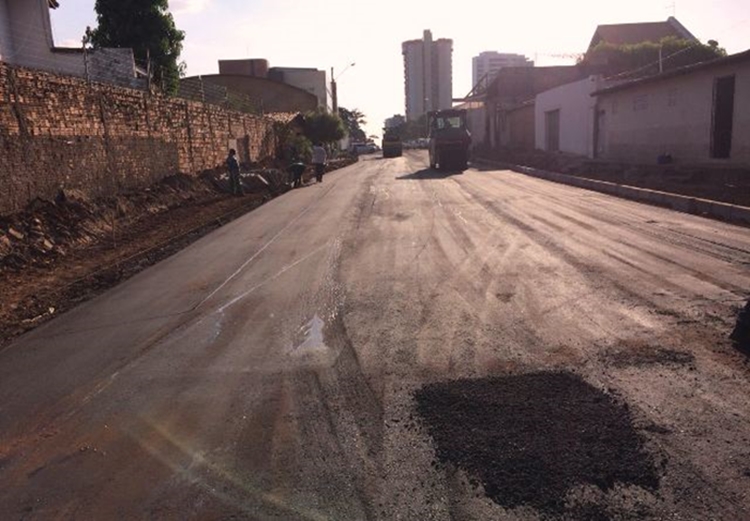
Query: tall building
(490,62)
(428,75)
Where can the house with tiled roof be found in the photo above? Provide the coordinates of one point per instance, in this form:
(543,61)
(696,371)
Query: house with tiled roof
(635,33)
(699,113)
(26,40)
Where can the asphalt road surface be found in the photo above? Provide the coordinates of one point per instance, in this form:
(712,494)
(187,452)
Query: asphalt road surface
(269,371)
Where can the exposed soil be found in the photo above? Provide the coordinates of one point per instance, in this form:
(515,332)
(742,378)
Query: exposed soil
(706,181)
(56,254)
(533,439)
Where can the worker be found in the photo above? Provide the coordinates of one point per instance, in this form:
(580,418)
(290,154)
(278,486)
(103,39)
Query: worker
(319,158)
(235,186)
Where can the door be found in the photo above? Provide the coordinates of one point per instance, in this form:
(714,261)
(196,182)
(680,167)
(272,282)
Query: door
(552,127)
(723,117)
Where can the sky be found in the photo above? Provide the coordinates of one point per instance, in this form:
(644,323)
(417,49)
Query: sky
(335,33)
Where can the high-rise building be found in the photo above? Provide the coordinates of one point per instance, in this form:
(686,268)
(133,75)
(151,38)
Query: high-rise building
(489,62)
(428,75)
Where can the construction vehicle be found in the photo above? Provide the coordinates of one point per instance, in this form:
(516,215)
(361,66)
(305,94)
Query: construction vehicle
(449,139)
(392,145)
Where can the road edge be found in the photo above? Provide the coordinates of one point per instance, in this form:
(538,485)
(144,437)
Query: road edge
(726,212)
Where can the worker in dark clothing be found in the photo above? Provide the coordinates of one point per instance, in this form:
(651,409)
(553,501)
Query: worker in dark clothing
(235,187)
(296,169)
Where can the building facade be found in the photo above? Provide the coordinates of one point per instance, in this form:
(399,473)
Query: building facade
(490,62)
(310,80)
(564,117)
(26,40)
(428,75)
(696,114)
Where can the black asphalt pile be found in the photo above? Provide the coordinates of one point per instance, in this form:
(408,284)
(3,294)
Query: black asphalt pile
(741,333)
(530,439)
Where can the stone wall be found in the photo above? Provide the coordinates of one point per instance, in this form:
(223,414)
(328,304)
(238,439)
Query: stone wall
(61,132)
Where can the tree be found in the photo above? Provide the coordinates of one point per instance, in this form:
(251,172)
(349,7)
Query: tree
(323,127)
(643,59)
(148,28)
(353,121)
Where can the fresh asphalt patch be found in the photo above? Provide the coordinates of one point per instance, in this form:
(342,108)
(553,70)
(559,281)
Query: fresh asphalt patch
(531,439)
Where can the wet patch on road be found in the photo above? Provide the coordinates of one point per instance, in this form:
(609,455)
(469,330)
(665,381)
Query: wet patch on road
(643,356)
(532,439)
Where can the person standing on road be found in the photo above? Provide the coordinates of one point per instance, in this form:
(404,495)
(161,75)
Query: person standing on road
(234,173)
(319,158)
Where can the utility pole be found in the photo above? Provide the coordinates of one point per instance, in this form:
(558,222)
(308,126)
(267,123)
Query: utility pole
(334,94)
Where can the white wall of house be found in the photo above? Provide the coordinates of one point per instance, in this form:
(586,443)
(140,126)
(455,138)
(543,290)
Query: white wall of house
(674,116)
(577,111)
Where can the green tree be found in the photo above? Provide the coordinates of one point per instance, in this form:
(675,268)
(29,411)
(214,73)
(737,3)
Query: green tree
(353,122)
(323,127)
(148,28)
(643,59)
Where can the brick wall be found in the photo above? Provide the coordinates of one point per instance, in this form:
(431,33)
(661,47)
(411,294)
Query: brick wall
(60,132)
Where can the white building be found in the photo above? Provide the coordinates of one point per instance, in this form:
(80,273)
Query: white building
(428,75)
(26,40)
(564,117)
(489,62)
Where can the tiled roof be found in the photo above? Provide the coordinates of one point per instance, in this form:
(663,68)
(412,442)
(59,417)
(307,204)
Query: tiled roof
(732,59)
(621,34)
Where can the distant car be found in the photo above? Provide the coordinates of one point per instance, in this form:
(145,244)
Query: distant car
(364,148)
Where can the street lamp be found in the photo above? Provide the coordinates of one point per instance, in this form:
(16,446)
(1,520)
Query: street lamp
(334,93)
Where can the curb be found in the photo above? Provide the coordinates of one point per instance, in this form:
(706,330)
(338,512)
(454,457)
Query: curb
(681,203)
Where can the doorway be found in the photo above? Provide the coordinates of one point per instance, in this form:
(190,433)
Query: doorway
(552,126)
(723,115)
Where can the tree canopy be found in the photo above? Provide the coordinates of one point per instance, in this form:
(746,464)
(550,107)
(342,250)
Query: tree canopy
(323,127)
(148,28)
(642,59)
(353,121)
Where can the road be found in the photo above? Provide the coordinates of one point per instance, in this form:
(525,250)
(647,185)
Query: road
(269,370)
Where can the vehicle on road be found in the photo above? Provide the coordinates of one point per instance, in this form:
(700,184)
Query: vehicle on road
(392,144)
(450,140)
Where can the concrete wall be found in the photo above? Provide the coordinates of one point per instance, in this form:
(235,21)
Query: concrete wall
(308,80)
(519,128)
(577,111)
(60,132)
(674,116)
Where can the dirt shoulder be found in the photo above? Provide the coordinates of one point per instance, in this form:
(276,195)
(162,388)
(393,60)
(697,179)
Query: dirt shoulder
(57,254)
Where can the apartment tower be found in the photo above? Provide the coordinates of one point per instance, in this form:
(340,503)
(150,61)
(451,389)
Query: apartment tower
(428,75)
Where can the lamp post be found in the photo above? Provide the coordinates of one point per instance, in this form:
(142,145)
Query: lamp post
(334,92)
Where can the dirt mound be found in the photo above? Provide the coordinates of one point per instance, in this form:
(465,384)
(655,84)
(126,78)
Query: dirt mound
(531,439)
